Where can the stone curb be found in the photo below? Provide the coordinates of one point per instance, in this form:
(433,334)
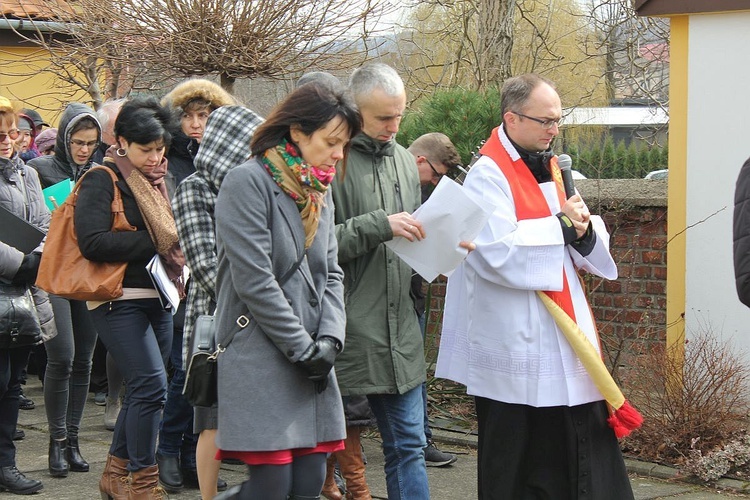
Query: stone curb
(658,471)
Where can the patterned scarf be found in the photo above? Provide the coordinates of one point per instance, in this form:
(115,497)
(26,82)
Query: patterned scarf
(150,194)
(305,184)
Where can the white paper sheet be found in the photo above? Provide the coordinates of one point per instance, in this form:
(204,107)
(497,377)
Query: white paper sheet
(448,217)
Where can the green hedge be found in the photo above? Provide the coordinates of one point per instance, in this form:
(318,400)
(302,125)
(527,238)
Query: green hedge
(468,117)
(617,161)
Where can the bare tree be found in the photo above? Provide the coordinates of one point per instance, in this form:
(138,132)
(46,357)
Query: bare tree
(596,51)
(134,44)
(636,50)
(495,40)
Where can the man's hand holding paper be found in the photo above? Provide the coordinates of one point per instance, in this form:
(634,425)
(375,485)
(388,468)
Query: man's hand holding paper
(449,222)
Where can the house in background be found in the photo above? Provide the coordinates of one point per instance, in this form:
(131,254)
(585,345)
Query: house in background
(22,63)
(628,123)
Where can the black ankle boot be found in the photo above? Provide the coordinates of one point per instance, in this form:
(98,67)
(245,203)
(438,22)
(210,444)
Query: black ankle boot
(13,480)
(73,455)
(58,465)
(170,474)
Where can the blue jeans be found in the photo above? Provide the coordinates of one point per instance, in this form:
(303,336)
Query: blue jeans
(427,432)
(140,354)
(176,438)
(401,424)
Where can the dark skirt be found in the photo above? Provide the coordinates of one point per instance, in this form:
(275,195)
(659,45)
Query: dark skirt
(555,453)
(205,418)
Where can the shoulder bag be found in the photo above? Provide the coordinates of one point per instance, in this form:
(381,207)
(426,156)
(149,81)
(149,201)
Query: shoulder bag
(202,374)
(19,321)
(64,271)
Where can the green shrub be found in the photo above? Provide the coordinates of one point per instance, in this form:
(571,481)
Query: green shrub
(617,161)
(466,116)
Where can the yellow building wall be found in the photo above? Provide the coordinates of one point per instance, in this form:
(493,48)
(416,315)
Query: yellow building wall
(24,81)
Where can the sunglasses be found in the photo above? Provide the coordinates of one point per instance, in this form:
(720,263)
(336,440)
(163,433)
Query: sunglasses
(12,133)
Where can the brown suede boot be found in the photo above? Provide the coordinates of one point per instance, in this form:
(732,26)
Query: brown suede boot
(144,485)
(114,483)
(352,467)
(330,490)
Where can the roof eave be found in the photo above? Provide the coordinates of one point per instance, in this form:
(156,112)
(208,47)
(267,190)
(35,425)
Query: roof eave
(681,7)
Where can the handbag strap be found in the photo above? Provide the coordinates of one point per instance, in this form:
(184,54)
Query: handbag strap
(242,321)
(117,205)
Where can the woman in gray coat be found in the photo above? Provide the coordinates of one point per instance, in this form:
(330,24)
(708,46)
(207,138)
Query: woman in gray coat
(280,311)
(20,194)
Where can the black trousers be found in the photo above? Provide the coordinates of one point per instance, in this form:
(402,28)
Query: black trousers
(12,365)
(555,453)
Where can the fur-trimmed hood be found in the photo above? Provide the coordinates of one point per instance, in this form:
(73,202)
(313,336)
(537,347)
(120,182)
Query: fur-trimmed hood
(196,88)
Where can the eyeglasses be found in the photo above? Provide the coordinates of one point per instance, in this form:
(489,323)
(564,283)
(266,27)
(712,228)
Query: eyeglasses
(80,144)
(545,123)
(435,174)
(12,133)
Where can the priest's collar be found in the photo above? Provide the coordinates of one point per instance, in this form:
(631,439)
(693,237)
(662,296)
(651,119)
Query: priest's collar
(538,162)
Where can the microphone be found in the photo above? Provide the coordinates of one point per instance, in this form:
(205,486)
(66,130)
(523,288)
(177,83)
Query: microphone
(565,163)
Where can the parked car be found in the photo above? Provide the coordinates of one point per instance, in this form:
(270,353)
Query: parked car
(657,174)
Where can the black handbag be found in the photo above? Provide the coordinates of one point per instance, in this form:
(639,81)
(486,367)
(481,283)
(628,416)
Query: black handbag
(202,374)
(19,321)
(201,377)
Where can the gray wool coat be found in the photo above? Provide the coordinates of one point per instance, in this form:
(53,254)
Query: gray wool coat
(266,402)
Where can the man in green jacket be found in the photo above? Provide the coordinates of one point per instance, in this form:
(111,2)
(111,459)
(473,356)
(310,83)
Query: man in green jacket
(384,355)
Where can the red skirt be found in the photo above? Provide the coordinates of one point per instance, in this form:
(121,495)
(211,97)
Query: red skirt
(279,457)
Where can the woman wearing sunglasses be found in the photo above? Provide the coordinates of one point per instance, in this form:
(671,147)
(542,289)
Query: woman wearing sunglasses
(20,194)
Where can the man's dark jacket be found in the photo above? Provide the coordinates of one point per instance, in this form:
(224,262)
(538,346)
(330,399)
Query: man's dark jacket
(741,232)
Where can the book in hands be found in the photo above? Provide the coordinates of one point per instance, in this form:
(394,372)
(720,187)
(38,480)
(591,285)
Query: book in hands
(56,194)
(169,294)
(19,233)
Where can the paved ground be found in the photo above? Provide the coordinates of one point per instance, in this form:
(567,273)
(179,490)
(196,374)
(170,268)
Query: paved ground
(450,483)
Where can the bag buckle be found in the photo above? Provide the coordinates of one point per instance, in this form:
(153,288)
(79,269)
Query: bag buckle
(243,321)
(215,355)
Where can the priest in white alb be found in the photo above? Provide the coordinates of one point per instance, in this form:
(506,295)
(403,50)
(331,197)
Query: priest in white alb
(518,330)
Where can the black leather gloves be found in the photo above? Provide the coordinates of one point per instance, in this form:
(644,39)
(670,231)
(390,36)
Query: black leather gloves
(318,359)
(26,274)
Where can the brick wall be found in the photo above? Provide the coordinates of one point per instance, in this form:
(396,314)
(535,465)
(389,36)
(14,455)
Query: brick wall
(631,310)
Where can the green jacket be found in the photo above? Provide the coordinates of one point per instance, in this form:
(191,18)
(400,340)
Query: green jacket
(384,353)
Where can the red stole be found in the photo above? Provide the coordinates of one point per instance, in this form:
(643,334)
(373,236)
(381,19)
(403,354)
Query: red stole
(529,200)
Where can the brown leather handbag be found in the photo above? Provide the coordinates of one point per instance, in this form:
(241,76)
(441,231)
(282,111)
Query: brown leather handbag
(64,271)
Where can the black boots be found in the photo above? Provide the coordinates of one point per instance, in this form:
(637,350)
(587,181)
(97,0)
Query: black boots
(58,464)
(65,456)
(73,455)
(13,480)
(170,474)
